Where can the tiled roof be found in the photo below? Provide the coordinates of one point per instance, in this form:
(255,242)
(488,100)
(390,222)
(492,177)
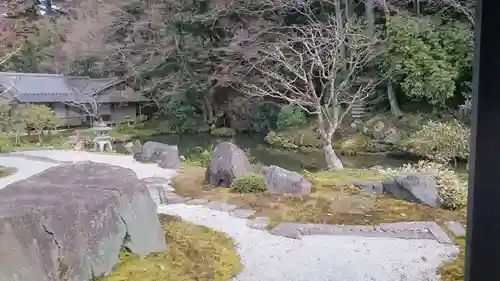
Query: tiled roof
(48,88)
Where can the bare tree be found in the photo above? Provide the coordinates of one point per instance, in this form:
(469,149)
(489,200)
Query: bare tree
(11,28)
(318,67)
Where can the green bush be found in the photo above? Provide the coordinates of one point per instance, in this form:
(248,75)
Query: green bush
(452,190)
(250,182)
(290,116)
(6,144)
(439,141)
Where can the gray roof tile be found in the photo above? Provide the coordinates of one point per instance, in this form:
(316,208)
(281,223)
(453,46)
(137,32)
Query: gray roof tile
(48,88)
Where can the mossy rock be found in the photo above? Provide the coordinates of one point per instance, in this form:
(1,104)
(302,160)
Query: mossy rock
(195,253)
(223,132)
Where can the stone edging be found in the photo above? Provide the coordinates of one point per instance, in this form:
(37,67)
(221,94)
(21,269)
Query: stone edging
(163,193)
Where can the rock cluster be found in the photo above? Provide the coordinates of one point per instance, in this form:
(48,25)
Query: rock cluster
(229,161)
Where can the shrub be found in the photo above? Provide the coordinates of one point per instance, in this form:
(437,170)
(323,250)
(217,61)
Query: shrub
(250,182)
(201,157)
(290,116)
(452,190)
(439,141)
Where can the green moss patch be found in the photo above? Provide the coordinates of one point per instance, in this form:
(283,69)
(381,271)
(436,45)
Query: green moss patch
(454,270)
(196,253)
(5,172)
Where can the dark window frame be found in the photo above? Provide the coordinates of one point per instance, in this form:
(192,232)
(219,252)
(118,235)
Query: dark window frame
(482,253)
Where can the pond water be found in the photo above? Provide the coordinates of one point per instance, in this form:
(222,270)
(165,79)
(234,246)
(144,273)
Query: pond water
(190,144)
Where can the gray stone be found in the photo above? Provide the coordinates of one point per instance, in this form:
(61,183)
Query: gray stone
(221,206)
(228,162)
(153,151)
(370,188)
(159,191)
(430,226)
(281,181)
(158,180)
(456,228)
(70,221)
(287,229)
(197,202)
(172,198)
(259,223)
(136,147)
(169,158)
(415,188)
(242,213)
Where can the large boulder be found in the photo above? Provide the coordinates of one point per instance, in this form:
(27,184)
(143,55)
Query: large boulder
(228,162)
(281,181)
(415,188)
(70,222)
(169,158)
(152,151)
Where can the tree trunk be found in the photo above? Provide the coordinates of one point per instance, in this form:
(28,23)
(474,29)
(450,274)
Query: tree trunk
(370,16)
(209,110)
(395,110)
(332,160)
(340,22)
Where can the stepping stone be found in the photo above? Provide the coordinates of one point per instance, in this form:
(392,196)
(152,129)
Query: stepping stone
(287,229)
(157,180)
(242,213)
(197,202)
(172,198)
(431,226)
(222,206)
(259,223)
(456,228)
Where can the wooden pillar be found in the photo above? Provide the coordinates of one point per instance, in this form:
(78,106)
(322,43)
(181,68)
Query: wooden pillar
(482,261)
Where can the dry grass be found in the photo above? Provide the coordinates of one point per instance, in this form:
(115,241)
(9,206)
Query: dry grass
(195,253)
(332,202)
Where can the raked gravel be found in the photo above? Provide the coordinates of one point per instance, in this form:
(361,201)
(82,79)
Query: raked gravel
(266,257)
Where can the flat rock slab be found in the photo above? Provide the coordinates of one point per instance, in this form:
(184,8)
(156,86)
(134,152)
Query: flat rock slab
(259,223)
(404,230)
(242,213)
(197,202)
(456,228)
(222,206)
(431,226)
(70,222)
(172,198)
(157,180)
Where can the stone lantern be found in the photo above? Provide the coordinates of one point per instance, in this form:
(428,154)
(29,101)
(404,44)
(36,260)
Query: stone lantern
(102,140)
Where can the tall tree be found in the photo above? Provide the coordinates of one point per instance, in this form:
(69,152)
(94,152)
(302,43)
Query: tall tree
(320,68)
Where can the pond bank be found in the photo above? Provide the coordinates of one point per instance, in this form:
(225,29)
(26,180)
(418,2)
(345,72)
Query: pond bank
(255,145)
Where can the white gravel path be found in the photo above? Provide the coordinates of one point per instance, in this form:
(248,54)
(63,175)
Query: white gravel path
(274,258)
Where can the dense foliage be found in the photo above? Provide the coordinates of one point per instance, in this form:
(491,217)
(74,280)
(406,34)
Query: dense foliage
(191,56)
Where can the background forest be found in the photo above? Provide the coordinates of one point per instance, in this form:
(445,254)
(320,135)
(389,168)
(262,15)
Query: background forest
(262,65)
